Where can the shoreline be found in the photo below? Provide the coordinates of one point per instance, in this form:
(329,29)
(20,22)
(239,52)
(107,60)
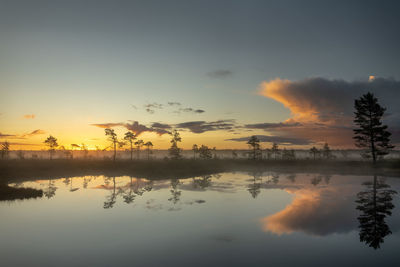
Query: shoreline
(25,170)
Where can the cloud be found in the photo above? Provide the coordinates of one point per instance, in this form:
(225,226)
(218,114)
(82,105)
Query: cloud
(29,116)
(190,110)
(174,104)
(150,108)
(22,136)
(220,74)
(160,125)
(134,127)
(275,139)
(270,125)
(325,107)
(203,126)
(33,133)
(2,135)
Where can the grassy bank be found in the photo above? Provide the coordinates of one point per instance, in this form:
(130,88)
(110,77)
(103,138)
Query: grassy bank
(21,170)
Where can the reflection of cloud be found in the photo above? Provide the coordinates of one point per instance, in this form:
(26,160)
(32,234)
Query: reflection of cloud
(276,139)
(321,211)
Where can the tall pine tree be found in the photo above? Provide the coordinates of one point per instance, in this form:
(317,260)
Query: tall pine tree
(371,134)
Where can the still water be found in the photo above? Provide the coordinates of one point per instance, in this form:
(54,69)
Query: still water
(229,219)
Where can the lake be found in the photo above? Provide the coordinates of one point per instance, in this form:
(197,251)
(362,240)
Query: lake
(229,219)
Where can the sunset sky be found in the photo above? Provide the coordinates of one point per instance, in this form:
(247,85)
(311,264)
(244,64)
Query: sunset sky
(218,71)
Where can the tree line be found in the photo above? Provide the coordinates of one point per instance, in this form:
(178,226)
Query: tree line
(370,135)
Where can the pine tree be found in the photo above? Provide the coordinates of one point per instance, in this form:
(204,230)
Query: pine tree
(371,135)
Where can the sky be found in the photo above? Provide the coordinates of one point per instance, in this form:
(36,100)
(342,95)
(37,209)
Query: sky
(217,71)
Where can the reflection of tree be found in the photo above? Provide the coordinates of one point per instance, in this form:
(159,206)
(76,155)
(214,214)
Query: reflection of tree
(291,177)
(316,180)
(375,204)
(203,182)
(129,196)
(327,178)
(176,194)
(111,199)
(50,191)
(255,187)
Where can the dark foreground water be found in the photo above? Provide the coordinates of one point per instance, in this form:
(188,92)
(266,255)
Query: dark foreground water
(230,219)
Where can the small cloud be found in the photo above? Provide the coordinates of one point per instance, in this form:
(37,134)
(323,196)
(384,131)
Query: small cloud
(134,127)
(174,104)
(269,125)
(275,139)
(203,126)
(190,110)
(161,125)
(33,133)
(220,74)
(150,108)
(29,116)
(7,135)
(134,107)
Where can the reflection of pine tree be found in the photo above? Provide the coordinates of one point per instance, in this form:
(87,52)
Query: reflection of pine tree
(129,196)
(111,199)
(50,191)
(176,194)
(375,204)
(203,182)
(255,187)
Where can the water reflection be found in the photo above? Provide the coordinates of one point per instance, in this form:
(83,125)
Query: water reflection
(317,205)
(375,204)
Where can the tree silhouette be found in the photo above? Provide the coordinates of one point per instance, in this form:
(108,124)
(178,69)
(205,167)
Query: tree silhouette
(375,204)
(51,142)
(254,144)
(112,137)
(5,149)
(288,154)
(195,149)
(85,150)
(371,135)
(314,151)
(130,137)
(205,152)
(326,151)
(174,150)
(275,150)
(72,149)
(148,146)
(139,143)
